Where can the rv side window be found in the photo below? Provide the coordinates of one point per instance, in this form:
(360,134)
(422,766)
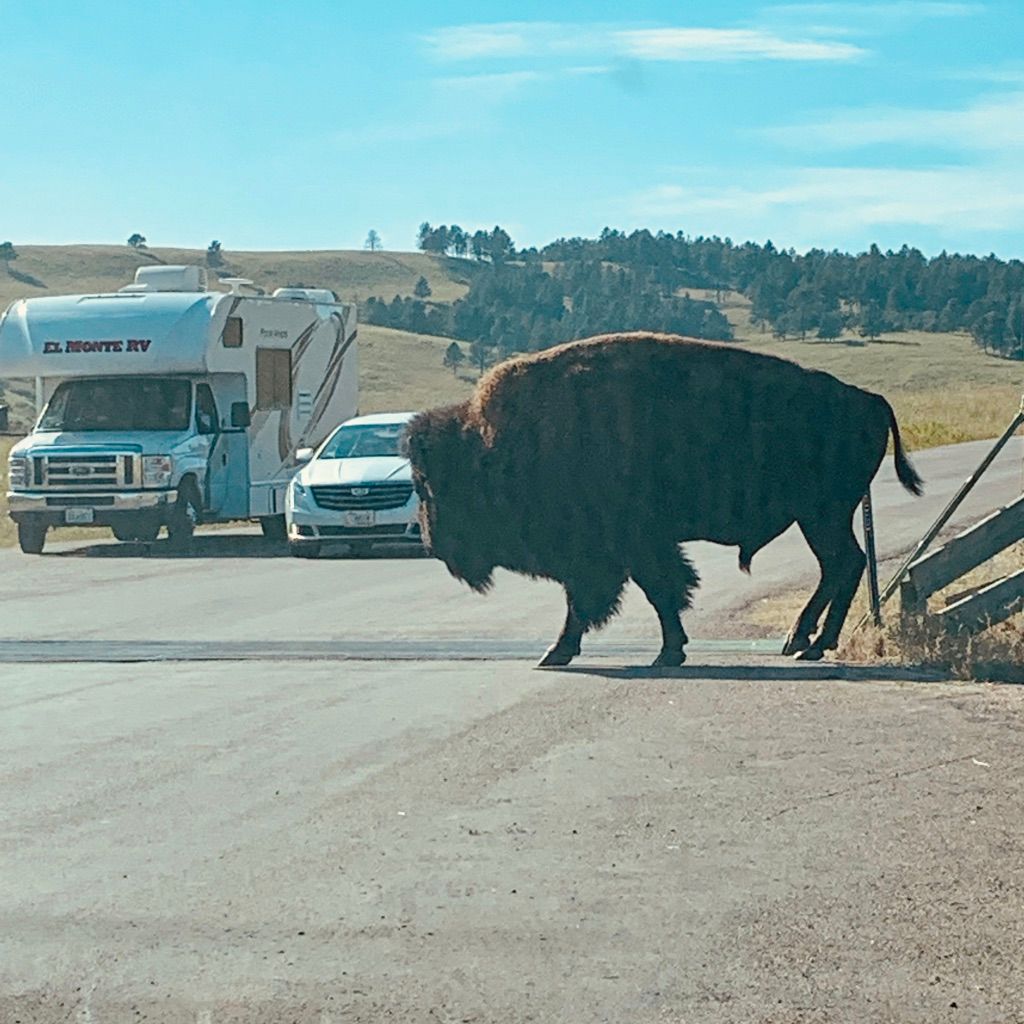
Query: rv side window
(233,332)
(273,378)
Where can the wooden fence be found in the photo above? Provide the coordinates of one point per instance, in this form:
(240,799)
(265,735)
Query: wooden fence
(980,607)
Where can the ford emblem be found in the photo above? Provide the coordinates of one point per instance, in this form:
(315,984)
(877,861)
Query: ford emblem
(80,471)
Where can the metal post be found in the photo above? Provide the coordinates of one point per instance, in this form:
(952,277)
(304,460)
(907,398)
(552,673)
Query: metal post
(947,512)
(869,544)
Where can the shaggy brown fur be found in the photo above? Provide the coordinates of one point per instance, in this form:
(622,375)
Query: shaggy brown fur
(591,462)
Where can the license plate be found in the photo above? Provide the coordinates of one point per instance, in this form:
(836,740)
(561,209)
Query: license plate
(79,515)
(360,518)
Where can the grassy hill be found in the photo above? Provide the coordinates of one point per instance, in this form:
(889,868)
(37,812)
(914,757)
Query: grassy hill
(354,275)
(943,387)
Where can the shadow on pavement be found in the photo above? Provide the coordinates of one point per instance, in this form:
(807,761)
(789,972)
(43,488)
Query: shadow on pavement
(792,672)
(227,546)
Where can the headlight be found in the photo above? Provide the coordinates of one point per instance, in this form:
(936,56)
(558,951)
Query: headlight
(156,470)
(17,471)
(298,496)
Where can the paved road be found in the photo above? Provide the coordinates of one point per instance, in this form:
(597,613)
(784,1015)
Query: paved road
(234,589)
(407,825)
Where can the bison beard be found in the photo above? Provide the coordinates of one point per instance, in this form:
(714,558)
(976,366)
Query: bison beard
(591,463)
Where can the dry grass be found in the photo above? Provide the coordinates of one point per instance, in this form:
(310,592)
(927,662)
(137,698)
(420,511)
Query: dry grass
(355,275)
(995,655)
(398,370)
(943,387)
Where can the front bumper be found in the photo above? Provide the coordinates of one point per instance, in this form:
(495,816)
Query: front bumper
(391,526)
(107,508)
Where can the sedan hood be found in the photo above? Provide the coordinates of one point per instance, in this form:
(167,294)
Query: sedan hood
(321,472)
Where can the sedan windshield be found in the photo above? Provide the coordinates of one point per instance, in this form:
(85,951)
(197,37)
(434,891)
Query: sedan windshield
(365,441)
(119,403)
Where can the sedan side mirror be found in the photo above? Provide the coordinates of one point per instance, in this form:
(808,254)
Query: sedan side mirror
(303,454)
(240,418)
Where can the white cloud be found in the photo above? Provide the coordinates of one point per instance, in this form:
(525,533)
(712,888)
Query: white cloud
(718,44)
(547,39)
(994,124)
(825,203)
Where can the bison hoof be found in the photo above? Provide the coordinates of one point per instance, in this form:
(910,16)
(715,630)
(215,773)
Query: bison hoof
(796,644)
(669,659)
(812,653)
(556,656)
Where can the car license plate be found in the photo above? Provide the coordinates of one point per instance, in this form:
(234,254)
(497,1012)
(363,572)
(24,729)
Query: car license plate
(79,515)
(360,518)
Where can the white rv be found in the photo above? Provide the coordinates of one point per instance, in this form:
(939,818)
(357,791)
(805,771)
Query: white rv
(167,404)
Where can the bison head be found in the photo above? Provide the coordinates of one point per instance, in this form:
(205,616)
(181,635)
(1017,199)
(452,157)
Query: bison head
(449,474)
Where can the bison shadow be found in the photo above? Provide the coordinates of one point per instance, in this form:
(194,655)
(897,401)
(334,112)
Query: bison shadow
(781,671)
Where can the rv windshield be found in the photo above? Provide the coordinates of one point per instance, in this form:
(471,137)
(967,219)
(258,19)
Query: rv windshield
(119,403)
(364,441)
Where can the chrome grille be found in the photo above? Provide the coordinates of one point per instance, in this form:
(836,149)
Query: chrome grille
(371,496)
(81,472)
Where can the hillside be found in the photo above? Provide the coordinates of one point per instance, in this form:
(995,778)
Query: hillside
(354,275)
(944,388)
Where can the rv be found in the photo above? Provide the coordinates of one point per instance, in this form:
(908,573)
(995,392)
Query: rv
(167,404)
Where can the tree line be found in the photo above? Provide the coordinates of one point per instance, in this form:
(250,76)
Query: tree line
(521,299)
(523,307)
(516,303)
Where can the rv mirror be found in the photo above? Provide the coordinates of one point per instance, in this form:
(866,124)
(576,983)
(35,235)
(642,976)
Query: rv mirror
(240,418)
(303,454)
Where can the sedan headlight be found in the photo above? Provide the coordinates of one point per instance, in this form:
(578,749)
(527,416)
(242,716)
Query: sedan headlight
(298,494)
(17,471)
(156,470)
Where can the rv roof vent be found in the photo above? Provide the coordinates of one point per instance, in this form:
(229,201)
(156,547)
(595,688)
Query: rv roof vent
(168,279)
(240,285)
(306,294)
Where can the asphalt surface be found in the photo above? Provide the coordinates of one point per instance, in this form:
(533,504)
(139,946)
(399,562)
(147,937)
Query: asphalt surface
(239,787)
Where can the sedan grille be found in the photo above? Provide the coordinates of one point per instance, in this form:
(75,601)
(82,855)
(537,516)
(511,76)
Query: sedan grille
(372,496)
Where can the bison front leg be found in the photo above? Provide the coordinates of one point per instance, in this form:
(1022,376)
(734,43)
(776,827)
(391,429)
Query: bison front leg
(589,605)
(567,646)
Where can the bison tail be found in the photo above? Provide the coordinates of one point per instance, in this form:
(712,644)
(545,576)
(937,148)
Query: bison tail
(746,557)
(905,471)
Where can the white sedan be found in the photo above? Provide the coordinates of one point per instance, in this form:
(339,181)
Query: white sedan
(356,488)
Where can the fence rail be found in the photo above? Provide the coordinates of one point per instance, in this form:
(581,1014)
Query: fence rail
(959,556)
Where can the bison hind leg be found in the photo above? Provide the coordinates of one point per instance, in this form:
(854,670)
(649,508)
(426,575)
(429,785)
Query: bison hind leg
(842,564)
(590,604)
(667,578)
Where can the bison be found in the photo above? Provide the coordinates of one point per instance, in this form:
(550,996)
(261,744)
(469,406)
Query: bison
(591,463)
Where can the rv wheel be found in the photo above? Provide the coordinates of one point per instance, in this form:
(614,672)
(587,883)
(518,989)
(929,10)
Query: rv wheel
(31,537)
(181,523)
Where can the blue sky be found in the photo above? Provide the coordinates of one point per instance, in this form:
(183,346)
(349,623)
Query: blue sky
(302,126)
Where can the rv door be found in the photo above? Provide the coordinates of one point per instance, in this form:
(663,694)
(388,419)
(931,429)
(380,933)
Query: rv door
(227,469)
